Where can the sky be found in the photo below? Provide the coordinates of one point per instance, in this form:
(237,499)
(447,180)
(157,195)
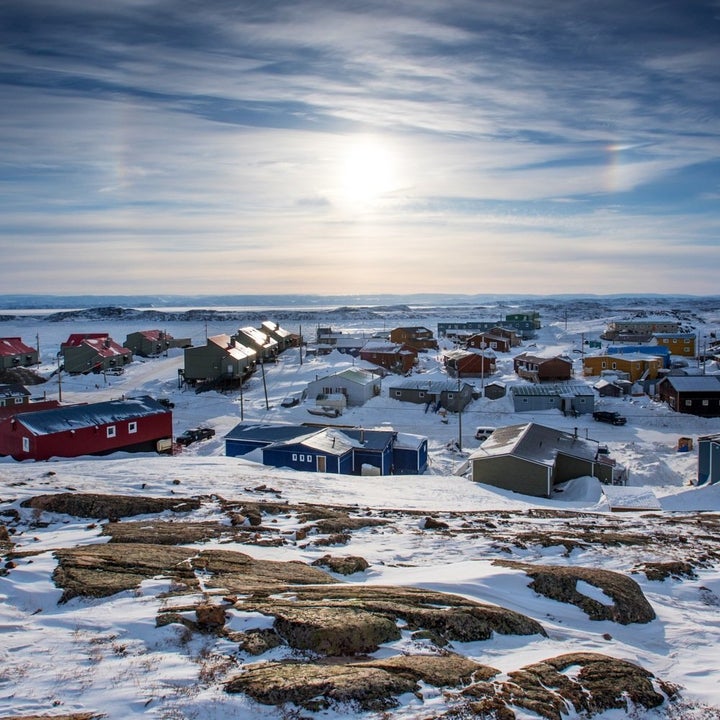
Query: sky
(465,146)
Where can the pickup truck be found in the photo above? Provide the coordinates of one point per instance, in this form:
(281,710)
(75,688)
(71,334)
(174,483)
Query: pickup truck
(612,418)
(195,434)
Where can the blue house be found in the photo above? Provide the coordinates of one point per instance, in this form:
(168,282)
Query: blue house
(410,454)
(708,459)
(325,451)
(654,350)
(352,451)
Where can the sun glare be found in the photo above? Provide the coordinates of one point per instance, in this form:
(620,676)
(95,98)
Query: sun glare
(368,172)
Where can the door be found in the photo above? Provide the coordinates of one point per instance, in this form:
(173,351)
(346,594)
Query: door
(321,463)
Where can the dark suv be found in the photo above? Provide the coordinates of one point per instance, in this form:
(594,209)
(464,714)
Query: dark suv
(191,436)
(612,418)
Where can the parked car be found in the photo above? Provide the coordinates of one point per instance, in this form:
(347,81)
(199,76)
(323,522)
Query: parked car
(193,435)
(293,399)
(613,418)
(483,433)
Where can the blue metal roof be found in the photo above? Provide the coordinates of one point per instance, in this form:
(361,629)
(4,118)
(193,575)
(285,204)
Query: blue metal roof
(72,417)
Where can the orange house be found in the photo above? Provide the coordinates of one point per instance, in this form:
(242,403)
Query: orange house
(635,365)
(677,343)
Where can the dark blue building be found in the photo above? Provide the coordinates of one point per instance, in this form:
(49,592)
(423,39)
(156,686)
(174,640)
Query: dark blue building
(351,451)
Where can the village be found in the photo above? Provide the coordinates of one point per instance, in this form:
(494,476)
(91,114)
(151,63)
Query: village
(547,409)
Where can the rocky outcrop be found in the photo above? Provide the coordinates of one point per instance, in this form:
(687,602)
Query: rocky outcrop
(346,565)
(88,505)
(629,605)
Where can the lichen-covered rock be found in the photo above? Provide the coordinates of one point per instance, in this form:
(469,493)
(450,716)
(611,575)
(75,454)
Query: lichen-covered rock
(346,565)
(90,505)
(597,684)
(560,583)
(334,631)
(660,571)
(317,686)
(449,670)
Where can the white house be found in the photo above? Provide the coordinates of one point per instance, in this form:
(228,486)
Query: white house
(357,385)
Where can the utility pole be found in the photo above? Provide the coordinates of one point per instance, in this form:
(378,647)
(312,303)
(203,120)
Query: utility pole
(262,365)
(59,379)
(459,414)
(242,411)
(300,344)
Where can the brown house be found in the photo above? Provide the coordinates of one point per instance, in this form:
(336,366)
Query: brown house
(419,338)
(692,394)
(396,358)
(539,369)
(489,340)
(469,363)
(506,333)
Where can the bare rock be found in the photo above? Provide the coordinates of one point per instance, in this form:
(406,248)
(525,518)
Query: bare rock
(318,686)
(347,565)
(560,583)
(334,631)
(91,505)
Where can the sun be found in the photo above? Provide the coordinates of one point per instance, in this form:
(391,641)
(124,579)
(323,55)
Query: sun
(368,171)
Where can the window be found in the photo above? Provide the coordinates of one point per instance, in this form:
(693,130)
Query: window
(26,444)
(132,427)
(302,457)
(420,395)
(397,393)
(18,401)
(706,402)
(294,457)
(111,431)
(688,403)
(309,458)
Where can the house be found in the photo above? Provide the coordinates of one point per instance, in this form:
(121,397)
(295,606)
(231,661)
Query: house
(357,385)
(540,369)
(433,394)
(637,366)
(132,425)
(283,338)
(396,358)
(419,338)
(676,343)
(532,459)
(14,395)
(326,340)
(569,398)
(524,324)
(469,363)
(15,353)
(506,333)
(483,340)
(263,344)
(93,352)
(150,343)
(352,451)
(612,387)
(639,329)
(495,390)
(692,394)
(221,358)
(708,459)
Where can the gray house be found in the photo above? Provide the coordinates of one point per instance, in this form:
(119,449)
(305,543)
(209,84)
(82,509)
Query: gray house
(265,346)
(531,459)
(569,398)
(284,338)
(220,358)
(356,384)
(434,393)
(150,343)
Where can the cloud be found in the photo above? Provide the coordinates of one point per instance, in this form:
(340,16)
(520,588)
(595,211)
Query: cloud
(212,137)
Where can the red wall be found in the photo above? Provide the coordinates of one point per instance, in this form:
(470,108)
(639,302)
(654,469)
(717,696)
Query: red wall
(81,441)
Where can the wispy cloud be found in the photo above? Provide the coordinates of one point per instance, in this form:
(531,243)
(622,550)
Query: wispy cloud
(561,147)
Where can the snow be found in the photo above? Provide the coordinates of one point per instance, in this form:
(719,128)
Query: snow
(106,655)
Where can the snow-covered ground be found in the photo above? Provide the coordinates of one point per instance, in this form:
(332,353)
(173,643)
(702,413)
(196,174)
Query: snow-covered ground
(108,656)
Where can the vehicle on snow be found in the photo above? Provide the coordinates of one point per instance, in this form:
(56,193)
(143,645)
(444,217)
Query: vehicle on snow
(613,418)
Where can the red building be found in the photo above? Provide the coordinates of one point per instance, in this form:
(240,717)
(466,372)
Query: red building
(396,358)
(469,363)
(491,341)
(133,425)
(15,353)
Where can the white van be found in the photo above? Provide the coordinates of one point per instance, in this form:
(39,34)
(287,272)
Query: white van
(483,433)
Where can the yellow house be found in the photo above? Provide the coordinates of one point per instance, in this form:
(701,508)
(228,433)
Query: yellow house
(635,365)
(677,343)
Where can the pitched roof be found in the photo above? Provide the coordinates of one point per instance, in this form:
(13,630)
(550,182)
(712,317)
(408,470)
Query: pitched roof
(14,346)
(567,390)
(72,417)
(13,390)
(694,383)
(535,443)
